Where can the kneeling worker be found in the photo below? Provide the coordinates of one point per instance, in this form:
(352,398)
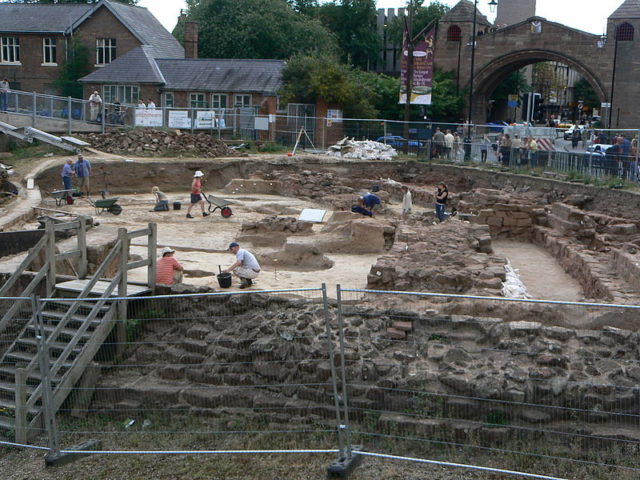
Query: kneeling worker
(246,267)
(366,204)
(168,269)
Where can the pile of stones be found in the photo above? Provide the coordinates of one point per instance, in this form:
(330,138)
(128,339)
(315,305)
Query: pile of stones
(152,142)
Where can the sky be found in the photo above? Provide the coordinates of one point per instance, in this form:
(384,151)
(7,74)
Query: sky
(587,15)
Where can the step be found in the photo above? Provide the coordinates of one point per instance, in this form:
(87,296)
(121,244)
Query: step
(57,346)
(10,405)
(9,374)
(69,332)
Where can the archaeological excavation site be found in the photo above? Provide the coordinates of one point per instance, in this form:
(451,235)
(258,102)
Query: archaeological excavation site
(506,333)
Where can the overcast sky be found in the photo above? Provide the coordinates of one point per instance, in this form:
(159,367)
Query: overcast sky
(588,15)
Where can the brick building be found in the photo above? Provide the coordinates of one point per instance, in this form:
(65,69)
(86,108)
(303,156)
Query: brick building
(36,39)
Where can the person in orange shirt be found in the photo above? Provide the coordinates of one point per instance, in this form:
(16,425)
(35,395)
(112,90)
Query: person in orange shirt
(168,269)
(196,194)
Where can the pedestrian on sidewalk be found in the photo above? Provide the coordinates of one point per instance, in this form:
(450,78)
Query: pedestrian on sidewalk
(196,194)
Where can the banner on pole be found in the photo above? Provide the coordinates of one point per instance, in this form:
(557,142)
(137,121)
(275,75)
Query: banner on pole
(422,78)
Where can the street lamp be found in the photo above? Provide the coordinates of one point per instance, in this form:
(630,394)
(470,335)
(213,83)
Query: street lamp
(493,4)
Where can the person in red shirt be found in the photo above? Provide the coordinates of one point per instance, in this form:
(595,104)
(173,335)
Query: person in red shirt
(196,194)
(168,269)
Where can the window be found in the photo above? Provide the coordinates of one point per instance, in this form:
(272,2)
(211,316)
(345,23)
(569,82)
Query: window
(242,101)
(10,50)
(49,51)
(168,100)
(127,94)
(219,100)
(197,100)
(624,32)
(454,34)
(105,50)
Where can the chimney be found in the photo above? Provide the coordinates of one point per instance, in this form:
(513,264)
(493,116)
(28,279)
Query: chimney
(191,39)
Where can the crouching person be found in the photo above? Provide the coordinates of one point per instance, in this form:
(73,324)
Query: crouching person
(246,267)
(168,269)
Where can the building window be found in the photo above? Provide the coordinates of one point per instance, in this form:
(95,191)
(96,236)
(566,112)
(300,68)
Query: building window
(105,50)
(242,101)
(168,100)
(49,51)
(454,34)
(126,94)
(624,32)
(219,100)
(198,100)
(10,50)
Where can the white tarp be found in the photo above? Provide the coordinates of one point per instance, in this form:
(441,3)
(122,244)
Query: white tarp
(314,215)
(362,150)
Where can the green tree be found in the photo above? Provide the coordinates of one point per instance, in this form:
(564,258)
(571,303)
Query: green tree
(306,7)
(422,18)
(354,24)
(446,101)
(515,83)
(583,91)
(255,29)
(77,66)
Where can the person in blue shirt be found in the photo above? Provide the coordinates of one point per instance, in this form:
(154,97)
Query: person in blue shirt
(83,171)
(67,174)
(366,204)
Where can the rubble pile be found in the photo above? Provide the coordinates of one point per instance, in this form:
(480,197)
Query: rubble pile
(362,150)
(152,142)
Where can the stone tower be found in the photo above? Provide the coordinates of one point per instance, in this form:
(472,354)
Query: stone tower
(514,11)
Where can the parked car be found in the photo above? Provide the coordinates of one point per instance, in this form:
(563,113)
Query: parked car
(597,150)
(497,127)
(396,141)
(568,134)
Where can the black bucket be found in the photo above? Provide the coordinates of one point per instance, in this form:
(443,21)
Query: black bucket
(224,278)
(177,205)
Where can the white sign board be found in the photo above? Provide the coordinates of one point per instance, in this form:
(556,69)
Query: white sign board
(605,105)
(261,123)
(179,119)
(312,215)
(148,118)
(205,119)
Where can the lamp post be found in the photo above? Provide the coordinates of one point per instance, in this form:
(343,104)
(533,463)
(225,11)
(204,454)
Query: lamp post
(613,77)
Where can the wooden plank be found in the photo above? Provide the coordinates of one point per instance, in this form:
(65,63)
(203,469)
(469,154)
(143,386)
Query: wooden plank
(100,287)
(21,405)
(85,390)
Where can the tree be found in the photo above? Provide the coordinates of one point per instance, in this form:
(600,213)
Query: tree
(514,84)
(255,29)
(306,7)
(583,91)
(354,24)
(422,18)
(446,101)
(77,66)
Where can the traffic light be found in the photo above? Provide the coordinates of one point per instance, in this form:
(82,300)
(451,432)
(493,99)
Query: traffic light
(537,107)
(525,106)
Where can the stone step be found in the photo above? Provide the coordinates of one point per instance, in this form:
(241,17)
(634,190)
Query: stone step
(396,334)
(404,326)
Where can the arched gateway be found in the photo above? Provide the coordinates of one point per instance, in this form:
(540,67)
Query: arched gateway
(501,51)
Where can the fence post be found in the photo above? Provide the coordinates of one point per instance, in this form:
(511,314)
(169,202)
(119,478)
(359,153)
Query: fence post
(21,406)
(50,232)
(152,244)
(121,328)
(347,461)
(48,407)
(69,115)
(82,247)
(34,106)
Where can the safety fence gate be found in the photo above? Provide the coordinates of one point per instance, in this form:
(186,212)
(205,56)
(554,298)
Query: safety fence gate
(308,381)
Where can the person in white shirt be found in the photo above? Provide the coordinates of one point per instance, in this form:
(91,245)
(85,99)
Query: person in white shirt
(246,267)
(141,104)
(406,201)
(95,104)
(151,105)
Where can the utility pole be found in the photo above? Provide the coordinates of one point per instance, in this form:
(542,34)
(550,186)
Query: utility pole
(409,79)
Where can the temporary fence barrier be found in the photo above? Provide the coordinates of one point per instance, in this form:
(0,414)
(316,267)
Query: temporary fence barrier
(414,377)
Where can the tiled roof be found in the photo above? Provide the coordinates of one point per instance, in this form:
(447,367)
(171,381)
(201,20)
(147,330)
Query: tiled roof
(228,75)
(44,18)
(628,10)
(463,12)
(35,18)
(135,66)
(205,74)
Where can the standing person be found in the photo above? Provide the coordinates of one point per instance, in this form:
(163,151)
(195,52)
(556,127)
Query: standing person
(95,104)
(246,267)
(83,171)
(438,142)
(67,174)
(575,138)
(456,147)
(505,149)
(484,148)
(168,269)
(533,151)
(196,194)
(407,203)
(141,104)
(448,145)
(516,146)
(4,95)
(441,201)
(162,202)
(151,105)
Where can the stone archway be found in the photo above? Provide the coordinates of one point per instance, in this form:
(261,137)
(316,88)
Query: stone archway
(493,73)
